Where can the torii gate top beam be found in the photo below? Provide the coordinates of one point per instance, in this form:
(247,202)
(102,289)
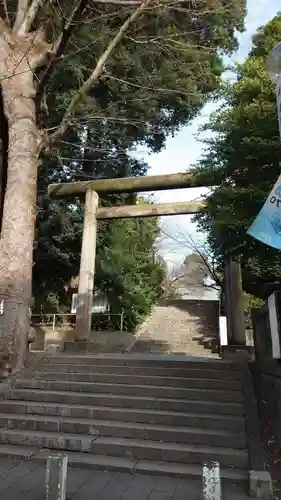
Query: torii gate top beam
(126,184)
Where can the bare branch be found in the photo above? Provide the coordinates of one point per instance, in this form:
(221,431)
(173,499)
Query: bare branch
(209,265)
(60,44)
(30,16)
(6,12)
(20,15)
(94,77)
(5,32)
(177,278)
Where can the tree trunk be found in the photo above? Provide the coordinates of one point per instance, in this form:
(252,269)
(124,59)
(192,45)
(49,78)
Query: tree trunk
(16,243)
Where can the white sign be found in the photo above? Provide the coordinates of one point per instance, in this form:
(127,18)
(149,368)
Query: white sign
(267,225)
(223,330)
(100,304)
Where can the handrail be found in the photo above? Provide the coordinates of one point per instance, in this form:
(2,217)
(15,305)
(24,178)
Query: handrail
(53,316)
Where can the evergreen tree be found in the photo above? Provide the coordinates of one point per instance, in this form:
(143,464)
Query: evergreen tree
(243,159)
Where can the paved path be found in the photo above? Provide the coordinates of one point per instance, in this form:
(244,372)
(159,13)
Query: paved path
(24,480)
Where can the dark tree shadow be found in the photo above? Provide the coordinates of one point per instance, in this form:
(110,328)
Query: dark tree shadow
(152,346)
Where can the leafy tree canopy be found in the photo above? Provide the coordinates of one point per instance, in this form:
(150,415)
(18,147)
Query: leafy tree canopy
(243,159)
(159,76)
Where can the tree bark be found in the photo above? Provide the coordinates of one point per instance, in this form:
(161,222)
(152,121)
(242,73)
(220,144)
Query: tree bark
(16,243)
(19,57)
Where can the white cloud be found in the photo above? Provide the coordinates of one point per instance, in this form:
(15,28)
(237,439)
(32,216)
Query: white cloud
(185,149)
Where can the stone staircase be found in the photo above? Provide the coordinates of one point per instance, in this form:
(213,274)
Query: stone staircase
(180,326)
(133,413)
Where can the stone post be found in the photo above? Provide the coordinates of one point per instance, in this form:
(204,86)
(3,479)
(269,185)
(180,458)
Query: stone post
(56,477)
(211,481)
(87,268)
(237,301)
(234,304)
(227,300)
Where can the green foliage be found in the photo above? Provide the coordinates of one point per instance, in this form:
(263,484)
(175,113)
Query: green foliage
(243,159)
(251,302)
(159,76)
(127,268)
(57,250)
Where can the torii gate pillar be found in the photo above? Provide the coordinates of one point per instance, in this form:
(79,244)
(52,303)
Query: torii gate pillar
(87,267)
(234,303)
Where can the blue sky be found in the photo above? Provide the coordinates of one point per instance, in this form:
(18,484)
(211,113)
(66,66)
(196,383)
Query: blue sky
(185,149)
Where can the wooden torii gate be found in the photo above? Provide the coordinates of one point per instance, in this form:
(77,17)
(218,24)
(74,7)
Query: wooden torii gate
(91,191)
(92,213)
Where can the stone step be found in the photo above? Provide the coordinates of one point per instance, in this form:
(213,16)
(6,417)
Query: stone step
(168,361)
(110,428)
(146,416)
(127,448)
(136,390)
(170,452)
(143,380)
(127,401)
(128,465)
(158,371)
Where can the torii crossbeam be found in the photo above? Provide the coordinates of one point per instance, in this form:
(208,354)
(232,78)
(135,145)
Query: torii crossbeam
(92,213)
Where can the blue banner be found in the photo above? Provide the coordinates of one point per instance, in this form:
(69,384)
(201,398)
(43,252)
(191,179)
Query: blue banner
(267,225)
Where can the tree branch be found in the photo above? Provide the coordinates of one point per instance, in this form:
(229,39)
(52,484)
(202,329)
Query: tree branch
(6,12)
(29,17)
(176,278)
(94,77)
(20,15)
(6,35)
(210,267)
(60,44)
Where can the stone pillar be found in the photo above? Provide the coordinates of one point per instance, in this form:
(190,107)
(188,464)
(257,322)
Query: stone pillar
(234,302)
(56,477)
(237,302)
(211,487)
(227,300)
(87,268)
